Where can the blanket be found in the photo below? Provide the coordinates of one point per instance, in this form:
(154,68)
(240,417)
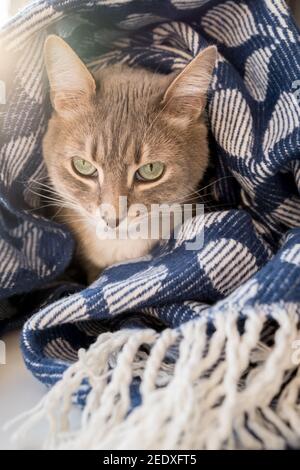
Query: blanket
(185,348)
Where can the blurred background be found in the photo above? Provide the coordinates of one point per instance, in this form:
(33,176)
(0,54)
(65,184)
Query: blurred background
(11,7)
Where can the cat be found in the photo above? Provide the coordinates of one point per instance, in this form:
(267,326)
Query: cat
(122,132)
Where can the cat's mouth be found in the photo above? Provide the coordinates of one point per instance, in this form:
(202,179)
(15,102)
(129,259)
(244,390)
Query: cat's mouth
(126,228)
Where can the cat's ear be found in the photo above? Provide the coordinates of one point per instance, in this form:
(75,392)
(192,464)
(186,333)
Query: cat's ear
(187,94)
(71,84)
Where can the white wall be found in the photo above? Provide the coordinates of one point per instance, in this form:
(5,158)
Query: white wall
(4,4)
(16,5)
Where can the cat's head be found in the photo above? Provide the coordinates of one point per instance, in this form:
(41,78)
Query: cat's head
(125,132)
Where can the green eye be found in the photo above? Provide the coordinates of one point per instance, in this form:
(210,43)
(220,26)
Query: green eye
(83,167)
(150,172)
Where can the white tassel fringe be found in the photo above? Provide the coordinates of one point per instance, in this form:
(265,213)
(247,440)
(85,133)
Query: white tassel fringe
(210,399)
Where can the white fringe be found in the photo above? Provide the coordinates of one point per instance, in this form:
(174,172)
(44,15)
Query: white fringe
(211,398)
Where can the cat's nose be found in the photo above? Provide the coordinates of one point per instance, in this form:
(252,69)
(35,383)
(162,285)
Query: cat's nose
(111,215)
(111,222)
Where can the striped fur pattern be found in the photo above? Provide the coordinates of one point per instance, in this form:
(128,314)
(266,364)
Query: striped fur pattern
(250,261)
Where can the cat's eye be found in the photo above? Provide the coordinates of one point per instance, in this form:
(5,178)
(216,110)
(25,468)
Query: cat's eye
(150,171)
(83,167)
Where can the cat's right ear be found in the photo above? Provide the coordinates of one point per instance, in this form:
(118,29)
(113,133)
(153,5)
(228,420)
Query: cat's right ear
(186,96)
(71,84)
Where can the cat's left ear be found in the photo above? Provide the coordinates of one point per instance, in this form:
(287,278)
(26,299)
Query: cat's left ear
(186,96)
(71,83)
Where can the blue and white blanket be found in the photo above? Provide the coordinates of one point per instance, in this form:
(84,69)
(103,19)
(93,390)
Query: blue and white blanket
(199,345)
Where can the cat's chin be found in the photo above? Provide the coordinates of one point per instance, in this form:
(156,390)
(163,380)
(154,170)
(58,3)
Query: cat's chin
(102,254)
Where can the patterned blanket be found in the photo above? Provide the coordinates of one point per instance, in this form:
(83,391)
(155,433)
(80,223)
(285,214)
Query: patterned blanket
(184,348)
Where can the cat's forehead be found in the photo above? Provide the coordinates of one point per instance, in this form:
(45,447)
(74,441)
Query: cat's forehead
(129,94)
(135,82)
(107,147)
(126,106)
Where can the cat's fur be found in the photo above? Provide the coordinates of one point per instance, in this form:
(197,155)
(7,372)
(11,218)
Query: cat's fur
(119,120)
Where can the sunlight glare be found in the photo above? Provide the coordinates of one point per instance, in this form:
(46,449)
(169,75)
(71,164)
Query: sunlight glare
(3,11)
